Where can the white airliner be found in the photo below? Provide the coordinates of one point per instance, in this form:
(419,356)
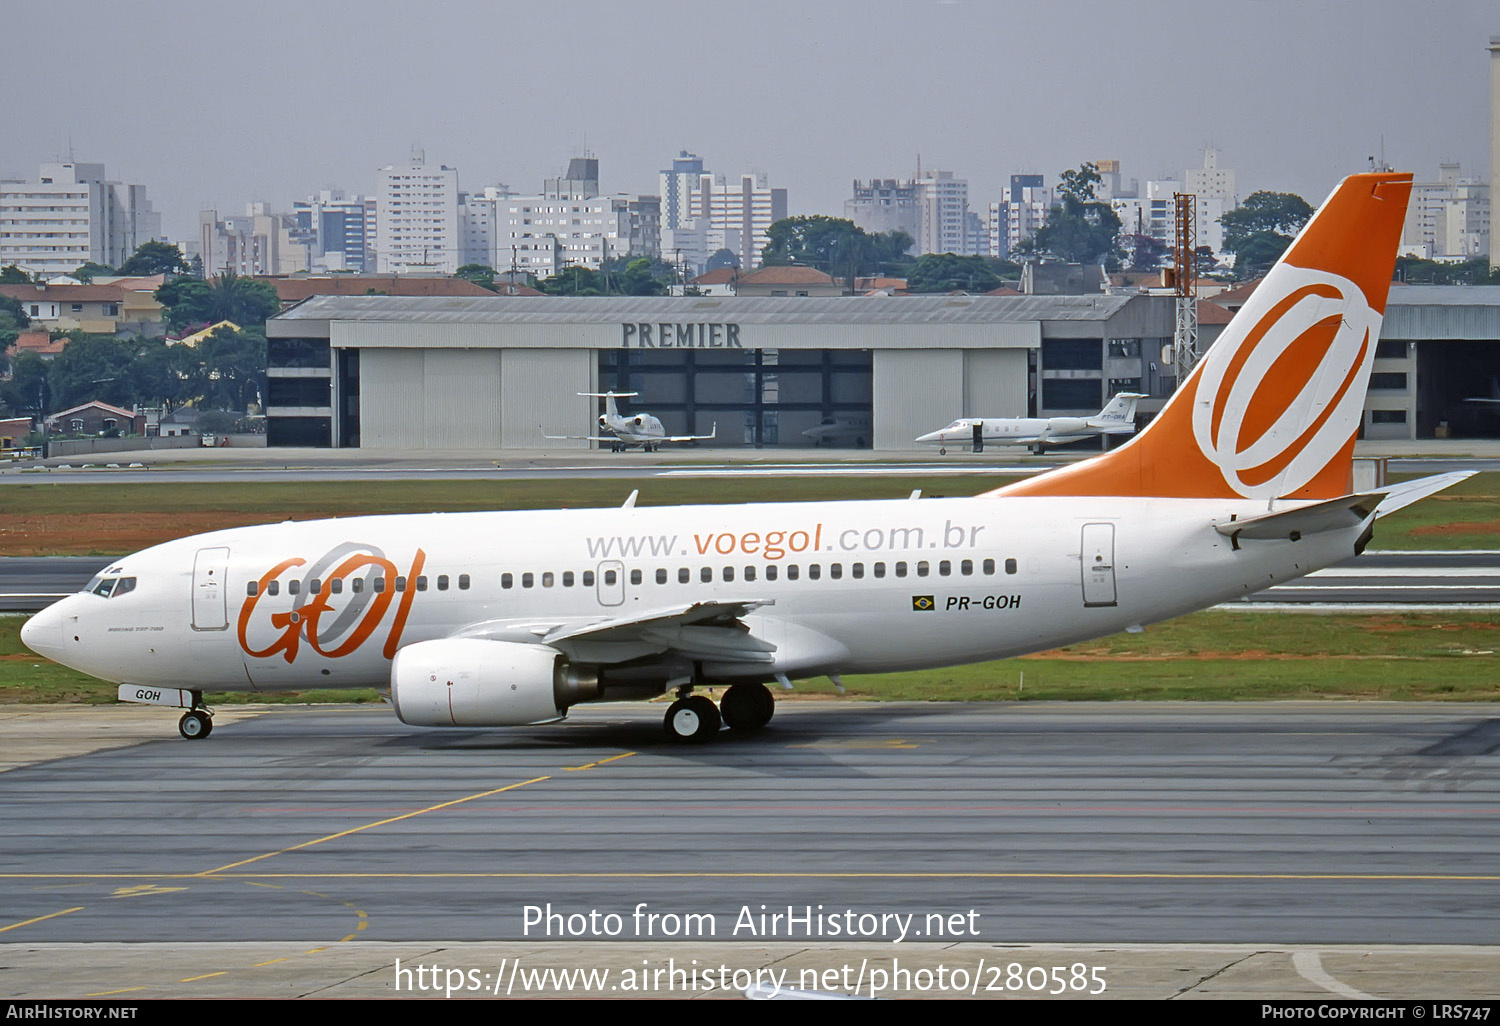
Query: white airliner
(509,618)
(639,429)
(1117,418)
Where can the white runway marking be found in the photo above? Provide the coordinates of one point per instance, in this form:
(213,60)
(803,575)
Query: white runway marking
(1310,967)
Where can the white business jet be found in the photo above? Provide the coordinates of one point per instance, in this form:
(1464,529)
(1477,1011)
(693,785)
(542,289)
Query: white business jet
(627,432)
(1117,418)
(509,618)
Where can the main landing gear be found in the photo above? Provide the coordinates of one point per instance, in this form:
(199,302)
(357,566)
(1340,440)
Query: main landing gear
(744,707)
(198,722)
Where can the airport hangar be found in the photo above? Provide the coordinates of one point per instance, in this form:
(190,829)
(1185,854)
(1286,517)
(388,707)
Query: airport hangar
(502,372)
(434,373)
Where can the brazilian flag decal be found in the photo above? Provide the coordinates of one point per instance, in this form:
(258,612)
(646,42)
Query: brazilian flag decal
(922,604)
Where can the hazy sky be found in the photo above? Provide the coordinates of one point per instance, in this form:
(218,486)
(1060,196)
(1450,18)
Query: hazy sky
(215,105)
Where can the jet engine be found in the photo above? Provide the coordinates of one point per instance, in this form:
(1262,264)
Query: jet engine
(473,682)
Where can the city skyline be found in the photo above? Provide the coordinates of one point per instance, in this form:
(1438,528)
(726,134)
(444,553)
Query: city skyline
(1295,96)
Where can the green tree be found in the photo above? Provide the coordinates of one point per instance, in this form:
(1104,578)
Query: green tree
(165,376)
(1416,271)
(833,245)
(482,275)
(27,392)
(1080,229)
(638,276)
(13,275)
(89,271)
(235,365)
(93,367)
(573,280)
(154,258)
(228,297)
(949,272)
(1259,230)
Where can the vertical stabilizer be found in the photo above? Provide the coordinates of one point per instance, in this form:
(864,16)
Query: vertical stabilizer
(1273,409)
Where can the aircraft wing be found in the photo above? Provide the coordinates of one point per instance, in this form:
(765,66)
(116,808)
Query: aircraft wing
(691,438)
(581,438)
(700,630)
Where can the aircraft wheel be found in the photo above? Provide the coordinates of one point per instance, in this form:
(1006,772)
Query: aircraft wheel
(693,719)
(747,706)
(195,725)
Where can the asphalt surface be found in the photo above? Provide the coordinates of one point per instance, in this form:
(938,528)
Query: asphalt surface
(306,835)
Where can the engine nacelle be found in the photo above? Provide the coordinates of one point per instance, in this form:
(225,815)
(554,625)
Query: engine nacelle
(473,682)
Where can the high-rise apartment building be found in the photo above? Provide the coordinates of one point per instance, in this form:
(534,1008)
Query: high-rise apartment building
(885,205)
(746,205)
(338,231)
(1448,219)
(943,208)
(570,223)
(72,215)
(1023,208)
(259,242)
(417,225)
(676,188)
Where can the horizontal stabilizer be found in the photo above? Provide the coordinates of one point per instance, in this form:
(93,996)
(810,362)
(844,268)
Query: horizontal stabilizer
(1330,515)
(1407,492)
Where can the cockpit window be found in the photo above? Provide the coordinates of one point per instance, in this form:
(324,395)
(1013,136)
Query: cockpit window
(111,587)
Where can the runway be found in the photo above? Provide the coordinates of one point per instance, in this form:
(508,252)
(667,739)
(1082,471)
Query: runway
(1303,824)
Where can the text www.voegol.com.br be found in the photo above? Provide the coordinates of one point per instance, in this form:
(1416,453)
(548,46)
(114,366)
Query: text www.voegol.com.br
(778,544)
(512,979)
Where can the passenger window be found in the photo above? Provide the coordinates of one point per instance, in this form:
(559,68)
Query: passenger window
(338,585)
(357,584)
(836,570)
(274,588)
(610,577)
(252,589)
(729,573)
(463,582)
(528,579)
(635,577)
(443,582)
(379,585)
(683,575)
(771,572)
(293,586)
(661,577)
(859,570)
(922,568)
(546,580)
(422,582)
(900,569)
(1010,566)
(314,586)
(879,569)
(814,571)
(706,574)
(989,566)
(749,573)
(966,567)
(568,578)
(791,571)
(506,581)
(944,568)
(588,578)
(401,584)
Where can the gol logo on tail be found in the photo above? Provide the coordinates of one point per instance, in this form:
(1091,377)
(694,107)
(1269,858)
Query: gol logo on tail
(1290,394)
(332,624)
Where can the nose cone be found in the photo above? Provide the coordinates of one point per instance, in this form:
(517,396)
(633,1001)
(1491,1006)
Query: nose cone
(932,437)
(43,633)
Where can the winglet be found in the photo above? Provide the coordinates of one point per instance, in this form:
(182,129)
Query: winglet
(1273,409)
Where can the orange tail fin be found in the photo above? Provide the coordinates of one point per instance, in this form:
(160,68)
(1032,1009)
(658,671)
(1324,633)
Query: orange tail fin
(1273,409)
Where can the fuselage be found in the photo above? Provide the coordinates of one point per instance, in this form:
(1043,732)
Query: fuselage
(844,587)
(1022,430)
